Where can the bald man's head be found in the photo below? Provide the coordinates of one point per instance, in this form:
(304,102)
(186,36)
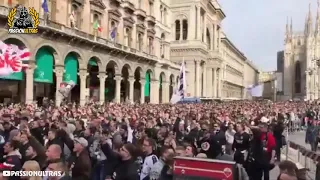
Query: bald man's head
(53,152)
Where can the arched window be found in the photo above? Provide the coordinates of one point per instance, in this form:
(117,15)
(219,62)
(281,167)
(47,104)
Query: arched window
(185,29)
(95,18)
(162,45)
(208,39)
(127,37)
(151,45)
(177,30)
(140,40)
(297,83)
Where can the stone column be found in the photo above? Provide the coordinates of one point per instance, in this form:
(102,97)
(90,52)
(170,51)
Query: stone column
(118,79)
(208,82)
(204,28)
(29,85)
(191,23)
(142,83)
(102,78)
(165,91)
(131,89)
(198,22)
(197,94)
(120,28)
(219,39)
(212,38)
(215,37)
(214,82)
(205,94)
(181,32)
(83,80)
(219,83)
(154,95)
(59,78)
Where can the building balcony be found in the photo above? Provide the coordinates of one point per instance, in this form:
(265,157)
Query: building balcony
(126,4)
(151,19)
(140,12)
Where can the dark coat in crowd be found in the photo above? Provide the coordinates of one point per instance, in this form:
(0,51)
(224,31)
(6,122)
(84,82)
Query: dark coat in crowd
(127,170)
(80,166)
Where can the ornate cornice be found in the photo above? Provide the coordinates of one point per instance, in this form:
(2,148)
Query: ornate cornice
(98,3)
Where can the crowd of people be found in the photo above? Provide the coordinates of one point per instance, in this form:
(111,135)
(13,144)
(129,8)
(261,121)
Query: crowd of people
(140,141)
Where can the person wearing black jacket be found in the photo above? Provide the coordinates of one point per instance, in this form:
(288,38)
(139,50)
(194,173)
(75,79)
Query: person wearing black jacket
(79,163)
(209,145)
(53,139)
(127,169)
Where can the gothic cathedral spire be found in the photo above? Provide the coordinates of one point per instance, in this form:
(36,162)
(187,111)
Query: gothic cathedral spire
(308,28)
(317,29)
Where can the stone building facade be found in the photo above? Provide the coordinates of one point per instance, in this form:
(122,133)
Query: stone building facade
(133,44)
(134,55)
(301,60)
(217,68)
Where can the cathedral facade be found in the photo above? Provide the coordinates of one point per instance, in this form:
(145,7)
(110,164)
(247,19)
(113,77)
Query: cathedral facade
(301,60)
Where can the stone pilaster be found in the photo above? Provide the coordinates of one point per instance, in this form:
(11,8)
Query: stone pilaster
(29,85)
(83,80)
(131,89)
(198,80)
(142,83)
(102,78)
(219,83)
(165,91)
(205,94)
(215,79)
(118,79)
(191,23)
(215,37)
(59,70)
(198,23)
(205,28)
(154,96)
(208,82)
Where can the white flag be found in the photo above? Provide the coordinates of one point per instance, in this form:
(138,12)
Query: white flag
(179,93)
(256,91)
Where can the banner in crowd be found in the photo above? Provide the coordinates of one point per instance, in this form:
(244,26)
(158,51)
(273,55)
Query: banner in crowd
(65,88)
(256,90)
(12,58)
(180,90)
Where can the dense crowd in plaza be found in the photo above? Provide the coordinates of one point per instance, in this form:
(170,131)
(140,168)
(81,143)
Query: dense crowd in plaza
(140,141)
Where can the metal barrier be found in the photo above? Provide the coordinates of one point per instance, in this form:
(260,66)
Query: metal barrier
(305,157)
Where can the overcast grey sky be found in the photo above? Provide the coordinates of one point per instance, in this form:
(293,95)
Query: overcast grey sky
(257,27)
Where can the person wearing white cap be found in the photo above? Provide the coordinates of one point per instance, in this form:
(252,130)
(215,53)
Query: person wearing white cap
(80,163)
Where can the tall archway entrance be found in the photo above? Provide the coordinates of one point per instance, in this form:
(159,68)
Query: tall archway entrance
(125,86)
(71,68)
(44,76)
(12,87)
(93,82)
(171,87)
(137,85)
(110,85)
(147,86)
(161,93)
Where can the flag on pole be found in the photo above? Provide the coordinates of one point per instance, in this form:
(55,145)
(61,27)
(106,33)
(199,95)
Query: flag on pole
(96,26)
(113,33)
(182,85)
(45,6)
(256,90)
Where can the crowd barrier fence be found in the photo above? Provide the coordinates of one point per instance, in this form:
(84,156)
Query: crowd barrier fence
(308,159)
